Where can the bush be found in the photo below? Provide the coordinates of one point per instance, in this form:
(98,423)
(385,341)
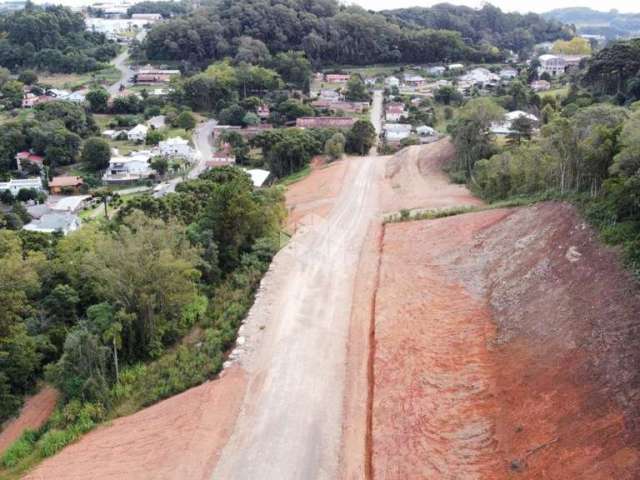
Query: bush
(55,440)
(21,448)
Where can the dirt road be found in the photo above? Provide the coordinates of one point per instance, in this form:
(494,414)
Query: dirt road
(290,426)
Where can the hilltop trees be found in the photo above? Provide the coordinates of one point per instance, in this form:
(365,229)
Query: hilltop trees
(328,33)
(51,38)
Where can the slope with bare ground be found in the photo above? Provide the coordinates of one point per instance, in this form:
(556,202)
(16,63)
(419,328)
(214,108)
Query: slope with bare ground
(32,416)
(509,349)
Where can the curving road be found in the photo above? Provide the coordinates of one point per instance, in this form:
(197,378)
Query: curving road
(121,62)
(290,426)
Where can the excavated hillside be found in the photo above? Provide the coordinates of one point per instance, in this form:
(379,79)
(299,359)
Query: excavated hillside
(507,345)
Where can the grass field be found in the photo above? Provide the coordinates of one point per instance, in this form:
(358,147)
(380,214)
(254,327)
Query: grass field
(75,81)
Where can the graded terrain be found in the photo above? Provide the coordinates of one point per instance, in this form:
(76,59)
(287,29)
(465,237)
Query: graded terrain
(467,347)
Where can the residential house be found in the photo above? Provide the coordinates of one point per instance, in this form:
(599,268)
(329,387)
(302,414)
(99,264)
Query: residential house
(28,157)
(138,133)
(337,77)
(479,76)
(414,80)
(130,168)
(65,184)
(152,17)
(55,222)
(16,184)
(332,95)
(437,70)
(392,81)
(551,64)
(508,73)
(394,112)
(115,134)
(394,132)
(540,85)
(543,47)
(505,127)
(175,147)
(70,204)
(455,66)
(340,106)
(325,122)
(370,81)
(223,156)
(150,76)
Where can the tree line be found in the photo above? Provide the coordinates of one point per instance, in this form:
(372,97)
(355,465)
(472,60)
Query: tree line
(330,33)
(51,38)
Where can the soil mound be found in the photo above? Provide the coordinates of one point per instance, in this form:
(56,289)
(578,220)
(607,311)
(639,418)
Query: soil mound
(508,349)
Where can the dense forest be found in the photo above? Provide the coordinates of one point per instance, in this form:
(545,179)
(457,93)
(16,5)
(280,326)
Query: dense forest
(51,38)
(330,33)
(487,25)
(190,259)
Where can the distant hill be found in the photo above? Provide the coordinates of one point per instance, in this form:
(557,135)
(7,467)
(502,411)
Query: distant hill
(612,24)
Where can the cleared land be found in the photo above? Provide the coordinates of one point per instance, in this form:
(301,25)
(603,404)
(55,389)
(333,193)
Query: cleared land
(493,345)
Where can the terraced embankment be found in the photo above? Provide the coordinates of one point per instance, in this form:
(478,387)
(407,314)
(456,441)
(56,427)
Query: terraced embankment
(506,346)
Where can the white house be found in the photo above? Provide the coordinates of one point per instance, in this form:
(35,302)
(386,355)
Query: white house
(392,81)
(414,80)
(437,70)
(15,185)
(480,75)
(455,66)
(326,94)
(55,222)
(115,134)
(551,64)
(138,133)
(71,204)
(508,73)
(175,147)
(504,127)
(133,167)
(394,132)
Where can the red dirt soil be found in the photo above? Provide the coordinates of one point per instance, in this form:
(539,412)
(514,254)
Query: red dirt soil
(508,349)
(34,413)
(178,438)
(314,194)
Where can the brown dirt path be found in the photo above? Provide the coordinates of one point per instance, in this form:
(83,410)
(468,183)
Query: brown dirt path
(34,413)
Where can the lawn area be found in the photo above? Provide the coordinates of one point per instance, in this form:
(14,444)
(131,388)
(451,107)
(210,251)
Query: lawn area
(441,121)
(75,81)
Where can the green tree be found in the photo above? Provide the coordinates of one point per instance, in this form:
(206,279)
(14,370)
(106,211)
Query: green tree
(334,147)
(160,165)
(28,77)
(96,154)
(361,137)
(186,120)
(98,99)
(159,265)
(356,90)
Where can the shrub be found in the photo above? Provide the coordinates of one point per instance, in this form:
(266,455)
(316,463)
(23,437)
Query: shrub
(21,448)
(55,440)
